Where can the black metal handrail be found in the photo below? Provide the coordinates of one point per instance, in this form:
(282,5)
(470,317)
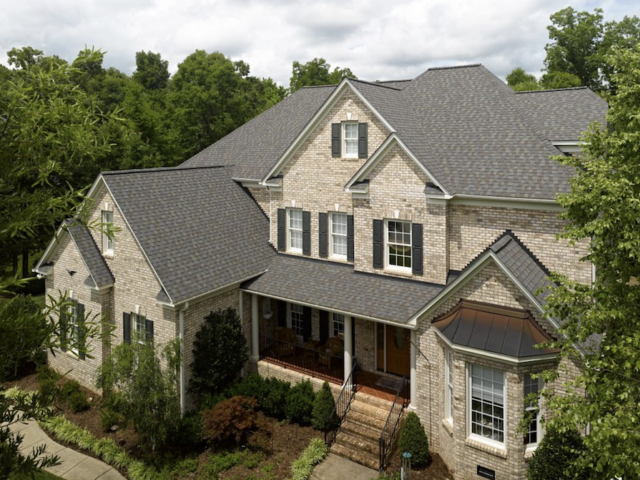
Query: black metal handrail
(388,434)
(343,403)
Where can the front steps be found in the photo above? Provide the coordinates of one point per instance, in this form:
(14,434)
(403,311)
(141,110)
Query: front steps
(359,434)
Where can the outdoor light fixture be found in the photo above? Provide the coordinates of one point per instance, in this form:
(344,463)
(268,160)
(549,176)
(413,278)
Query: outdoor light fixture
(405,466)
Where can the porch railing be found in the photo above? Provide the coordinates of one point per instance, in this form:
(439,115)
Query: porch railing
(390,429)
(343,403)
(306,358)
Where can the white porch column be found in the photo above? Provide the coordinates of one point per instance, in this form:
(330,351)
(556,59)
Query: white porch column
(255,340)
(413,384)
(348,346)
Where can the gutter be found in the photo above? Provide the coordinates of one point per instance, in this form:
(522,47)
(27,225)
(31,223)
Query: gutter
(181,334)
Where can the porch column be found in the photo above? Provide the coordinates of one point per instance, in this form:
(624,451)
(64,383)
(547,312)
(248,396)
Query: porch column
(255,353)
(348,346)
(413,384)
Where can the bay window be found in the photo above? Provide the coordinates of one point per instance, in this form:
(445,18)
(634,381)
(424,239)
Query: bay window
(487,404)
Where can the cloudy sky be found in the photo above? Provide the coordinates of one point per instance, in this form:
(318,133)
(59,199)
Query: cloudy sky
(377,39)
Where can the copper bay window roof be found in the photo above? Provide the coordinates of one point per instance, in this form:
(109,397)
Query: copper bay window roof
(495,329)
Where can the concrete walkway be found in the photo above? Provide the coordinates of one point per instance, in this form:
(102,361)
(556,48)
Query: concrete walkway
(337,468)
(73,465)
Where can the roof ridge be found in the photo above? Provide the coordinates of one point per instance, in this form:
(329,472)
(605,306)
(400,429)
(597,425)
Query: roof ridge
(161,169)
(470,65)
(318,86)
(553,90)
(529,252)
(374,84)
(395,81)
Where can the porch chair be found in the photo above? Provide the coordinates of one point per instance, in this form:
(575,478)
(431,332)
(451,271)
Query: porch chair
(285,342)
(332,349)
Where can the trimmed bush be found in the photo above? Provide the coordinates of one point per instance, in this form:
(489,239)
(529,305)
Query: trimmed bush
(324,410)
(108,418)
(253,385)
(300,403)
(554,456)
(413,439)
(316,451)
(77,401)
(233,421)
(189,437)
(274,402)
(69,389)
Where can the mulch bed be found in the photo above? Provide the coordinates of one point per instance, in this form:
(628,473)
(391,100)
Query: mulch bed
(437,470)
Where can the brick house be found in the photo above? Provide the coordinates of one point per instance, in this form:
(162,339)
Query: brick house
(392,236)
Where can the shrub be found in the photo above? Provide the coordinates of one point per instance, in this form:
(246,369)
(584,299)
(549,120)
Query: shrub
(188,436)
(413,439)
(69,389)
(43,372)
(209,401)
(234,420)
(300,403)
(219,353)
(324,410)
(316,451)
(554,456)
(77,401)
(274,403)
(48,390)
(253,385)
(108,418)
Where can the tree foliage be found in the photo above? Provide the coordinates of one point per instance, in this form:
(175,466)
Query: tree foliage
(555,455)
(316,72)
(219,353)
(601,327)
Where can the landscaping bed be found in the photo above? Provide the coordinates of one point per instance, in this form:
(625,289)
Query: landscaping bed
(437,469)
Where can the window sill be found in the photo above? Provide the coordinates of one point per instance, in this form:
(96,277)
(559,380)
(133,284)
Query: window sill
(108,255)
(529,451)
(338,259)
(491,448)
(402,272)
(447,423)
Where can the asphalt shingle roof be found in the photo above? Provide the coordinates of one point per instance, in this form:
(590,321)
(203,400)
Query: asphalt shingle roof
(339,287)
(93,259)
(199,229)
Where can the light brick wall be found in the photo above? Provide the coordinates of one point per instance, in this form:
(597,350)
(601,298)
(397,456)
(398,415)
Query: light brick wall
(473,229)
(314,179)
(67,258)
(262,198)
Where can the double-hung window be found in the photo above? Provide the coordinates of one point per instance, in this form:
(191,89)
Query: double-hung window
(398,244)
(338,232)
(72,326)
(139,327)
(337,325)
(296,318)
(107,226)
(532,435)
(295,230)
(448,375)
(487,403)
(350,136)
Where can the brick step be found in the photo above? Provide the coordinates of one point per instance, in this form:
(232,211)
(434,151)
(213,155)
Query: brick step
(359,457)
(373,401)
(369,410)
(358,430)
(375,423)
(358,444)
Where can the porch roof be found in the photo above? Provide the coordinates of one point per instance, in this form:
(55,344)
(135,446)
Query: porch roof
(337,287)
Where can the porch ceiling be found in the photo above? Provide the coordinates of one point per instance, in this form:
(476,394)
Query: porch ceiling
(339,288)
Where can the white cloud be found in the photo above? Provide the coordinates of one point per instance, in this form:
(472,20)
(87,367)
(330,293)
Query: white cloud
(376,39)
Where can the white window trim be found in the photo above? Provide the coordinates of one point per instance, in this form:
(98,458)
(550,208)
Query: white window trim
(448,388)
(140,337)
(106,241)
(331,252)
(386,246)
(289,247)
(344,140)
(72,328)
(530,447)
(333,321)
(290,318)
(478,438)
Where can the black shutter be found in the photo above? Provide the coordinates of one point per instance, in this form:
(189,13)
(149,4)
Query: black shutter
(353,337)
(282,229)
(126,327)
(324,327)
(363,143)
(416,249)
(63,329)
(323,235)
(306,323)
(148,326)
(336,130)
(306,233)
(282,313)
(378,243)
(80,330)
(350,248)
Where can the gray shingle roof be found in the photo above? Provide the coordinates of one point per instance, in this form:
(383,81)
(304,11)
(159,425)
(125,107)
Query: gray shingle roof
(98,269)
(339,287)
(199,229)
(256,146)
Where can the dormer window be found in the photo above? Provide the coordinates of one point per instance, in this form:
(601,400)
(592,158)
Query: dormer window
(107,226)
(350,139)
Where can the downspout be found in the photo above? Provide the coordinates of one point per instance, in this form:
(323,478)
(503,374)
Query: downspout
(181,334)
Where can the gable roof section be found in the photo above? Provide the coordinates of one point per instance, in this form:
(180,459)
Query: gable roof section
(199,230)
(563,115)
(254,147)
(333,286)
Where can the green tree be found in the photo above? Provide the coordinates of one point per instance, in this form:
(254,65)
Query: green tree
(554,80)
(316,72)
(601,327)
(555,455)
(152,72)
(324,416)
(413,439)
(219,353)
(141,381)
(519,80)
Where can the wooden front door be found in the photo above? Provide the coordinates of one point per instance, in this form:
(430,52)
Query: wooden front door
(397,351)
